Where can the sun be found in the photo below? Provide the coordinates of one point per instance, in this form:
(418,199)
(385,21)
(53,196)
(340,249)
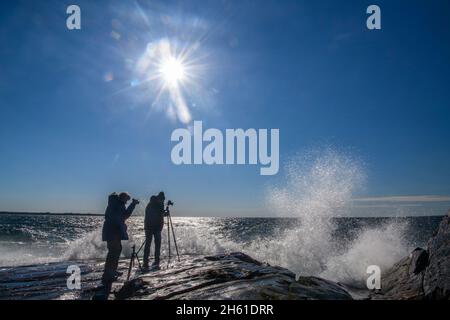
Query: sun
(172,71)
(171,75)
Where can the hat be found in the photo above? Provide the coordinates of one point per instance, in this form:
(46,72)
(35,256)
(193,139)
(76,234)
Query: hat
(124,196)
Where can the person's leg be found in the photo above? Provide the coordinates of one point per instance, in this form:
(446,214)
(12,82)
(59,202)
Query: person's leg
(117,252)
(157,235)
(112,260)
(111,263)
(148,242)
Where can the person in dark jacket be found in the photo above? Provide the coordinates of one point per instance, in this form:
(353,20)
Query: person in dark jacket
(114,231)
(154,224)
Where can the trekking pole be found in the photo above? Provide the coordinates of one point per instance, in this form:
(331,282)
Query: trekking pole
(174,239)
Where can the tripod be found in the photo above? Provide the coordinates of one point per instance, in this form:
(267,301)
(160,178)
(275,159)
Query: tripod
(170,226)
(135,254)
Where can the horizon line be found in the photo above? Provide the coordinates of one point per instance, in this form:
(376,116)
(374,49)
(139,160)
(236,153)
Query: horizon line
(405,198)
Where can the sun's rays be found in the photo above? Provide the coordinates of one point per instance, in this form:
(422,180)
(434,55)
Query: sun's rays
(167,62)
(172,73)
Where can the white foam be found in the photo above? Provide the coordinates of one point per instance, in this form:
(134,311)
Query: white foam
(317,188)
(382,246)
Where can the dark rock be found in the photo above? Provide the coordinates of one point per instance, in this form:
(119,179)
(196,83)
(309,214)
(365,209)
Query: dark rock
(233,276)
(320,289)
(239,255)
(48,281)
(436,283)
(400,284)
(418,261)
(425,274)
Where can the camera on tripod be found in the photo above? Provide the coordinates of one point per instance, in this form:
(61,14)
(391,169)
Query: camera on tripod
(169,203)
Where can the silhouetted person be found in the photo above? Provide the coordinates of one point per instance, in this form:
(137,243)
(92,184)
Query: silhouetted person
(154,224)
(114,231)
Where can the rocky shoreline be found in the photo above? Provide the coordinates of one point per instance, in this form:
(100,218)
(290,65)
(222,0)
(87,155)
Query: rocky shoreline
(231,276)
(424,274)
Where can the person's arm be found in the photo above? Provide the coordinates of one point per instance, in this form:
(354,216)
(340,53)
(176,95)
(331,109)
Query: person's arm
(129,210)
(162,211)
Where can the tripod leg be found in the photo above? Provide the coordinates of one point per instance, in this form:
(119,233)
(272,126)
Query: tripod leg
(131,263)
(140,248)
(168,239)
(174,238)
(139,262)
(137,254)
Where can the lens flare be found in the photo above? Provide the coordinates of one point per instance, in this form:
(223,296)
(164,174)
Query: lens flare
(170,73)
(173,71)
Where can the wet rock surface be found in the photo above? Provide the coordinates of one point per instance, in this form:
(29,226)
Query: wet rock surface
(234,276)
(231,276)
(425,274)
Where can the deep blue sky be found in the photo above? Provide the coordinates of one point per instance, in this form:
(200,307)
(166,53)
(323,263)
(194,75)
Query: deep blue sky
(309,68)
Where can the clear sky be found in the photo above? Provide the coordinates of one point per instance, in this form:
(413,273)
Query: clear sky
(78,121)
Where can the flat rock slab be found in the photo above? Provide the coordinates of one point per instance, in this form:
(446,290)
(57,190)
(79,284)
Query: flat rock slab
(232,276)
(49,281)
